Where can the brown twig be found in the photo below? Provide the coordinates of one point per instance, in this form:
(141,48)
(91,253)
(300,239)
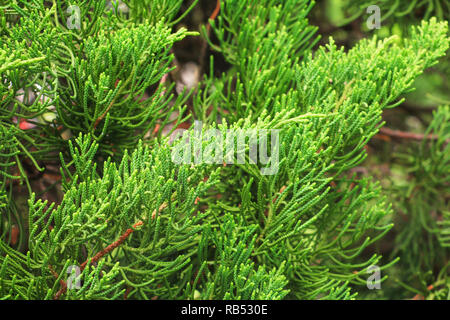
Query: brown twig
(407,135)
(127,292)
(213,15)
(99,119)
(61,282)
(97,257)
(112,246)
(421,297)
(107,250)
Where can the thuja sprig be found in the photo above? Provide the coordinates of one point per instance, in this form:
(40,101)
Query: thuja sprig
(108,96)
(424,202)
(140,226)
(55,225)
(324,89)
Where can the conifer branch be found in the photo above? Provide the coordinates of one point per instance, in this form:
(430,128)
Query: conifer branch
(296,221)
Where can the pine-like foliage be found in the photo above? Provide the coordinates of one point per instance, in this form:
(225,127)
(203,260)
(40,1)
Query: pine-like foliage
(422,207)
(419,197)
(138,225)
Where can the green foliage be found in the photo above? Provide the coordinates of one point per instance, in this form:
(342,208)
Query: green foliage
(236,276)
(137,224)
(424,204)
(110,78)
(12,172)
(95,210)
(421,203)
(264,41)
(9,149)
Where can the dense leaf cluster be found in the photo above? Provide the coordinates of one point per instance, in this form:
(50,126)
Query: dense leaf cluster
(138,225)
